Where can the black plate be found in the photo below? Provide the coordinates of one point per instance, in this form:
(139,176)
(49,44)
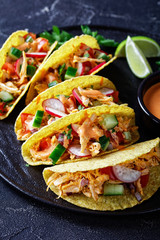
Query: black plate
(29,179)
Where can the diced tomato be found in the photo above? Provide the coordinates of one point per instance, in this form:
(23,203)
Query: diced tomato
(144,180)
(108,134)
(120,137)
(43,44)
(2,106)
(24,117)
(115,96)
(84,48)
(10,68)
(33,35)
(45,143)
(108,171)
(87,67)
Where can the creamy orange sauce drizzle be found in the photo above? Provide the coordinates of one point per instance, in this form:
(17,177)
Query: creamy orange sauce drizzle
(152,100)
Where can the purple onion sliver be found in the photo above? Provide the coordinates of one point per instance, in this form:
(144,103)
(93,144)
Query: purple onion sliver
(138,196)
(61,138)
(84,182)
(34,130)
(131,186)
(110,147)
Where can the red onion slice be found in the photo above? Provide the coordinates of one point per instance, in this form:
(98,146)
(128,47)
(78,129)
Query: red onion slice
(97,67)
(55,112)
(54,103)
(125,174)
(80,69)
(36,54)
(18,63)
(77,96)
(75,127)
(107,91)
(76,150)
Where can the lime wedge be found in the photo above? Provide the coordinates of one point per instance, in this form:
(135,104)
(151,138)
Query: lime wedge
(149,47)
(136,59)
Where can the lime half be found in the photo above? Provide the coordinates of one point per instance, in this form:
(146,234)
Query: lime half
(149,47)
(136,59)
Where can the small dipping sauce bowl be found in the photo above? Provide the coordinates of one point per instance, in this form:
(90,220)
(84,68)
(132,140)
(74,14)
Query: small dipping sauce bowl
(147,90)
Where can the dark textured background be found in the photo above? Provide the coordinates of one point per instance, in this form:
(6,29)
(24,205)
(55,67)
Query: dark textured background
(22,217)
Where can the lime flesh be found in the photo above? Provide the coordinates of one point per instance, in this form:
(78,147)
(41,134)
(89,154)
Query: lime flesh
(136,59)
(149,47)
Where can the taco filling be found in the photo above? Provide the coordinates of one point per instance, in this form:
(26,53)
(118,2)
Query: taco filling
(54,108)
(130,176)
(89,137)
(84,61)
(20,65)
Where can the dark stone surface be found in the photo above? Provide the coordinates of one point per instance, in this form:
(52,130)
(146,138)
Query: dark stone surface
(22,217)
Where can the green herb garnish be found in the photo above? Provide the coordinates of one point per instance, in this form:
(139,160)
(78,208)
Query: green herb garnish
(61,69)
(80,107)
(56,35)
(86,55)
(101,40)
(51,84)
(158,63)
(69,134)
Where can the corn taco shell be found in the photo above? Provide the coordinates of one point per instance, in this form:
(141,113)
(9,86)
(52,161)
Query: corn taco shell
(111,203)
(16,86)
(62,55)
(12,40)
(65,88)
(121,111)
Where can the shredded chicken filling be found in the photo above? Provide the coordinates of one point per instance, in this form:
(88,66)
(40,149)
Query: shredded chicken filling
(87,137)
(91,183)
(15,78)
(74,59)
(89,97)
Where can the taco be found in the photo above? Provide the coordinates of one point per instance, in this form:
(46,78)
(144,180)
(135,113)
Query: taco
(78,56)
(65,98)
(112,182)
(21,55)
(91,132)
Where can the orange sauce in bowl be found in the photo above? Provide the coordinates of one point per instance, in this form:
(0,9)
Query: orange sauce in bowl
(151,100)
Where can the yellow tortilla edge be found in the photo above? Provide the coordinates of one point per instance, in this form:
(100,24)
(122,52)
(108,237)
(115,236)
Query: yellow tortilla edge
(110,203)
(60,56)
(13,39)
(113,203)
(65,88)
(119,110)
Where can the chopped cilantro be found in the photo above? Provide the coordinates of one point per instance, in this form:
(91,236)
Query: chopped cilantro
(69,126)
(86,55)
(158,63)
(61,69)
(62,36)
(69,134)
(51,84)
(80,107)
(56,35)
(27,165)
(66,96)
(101,40)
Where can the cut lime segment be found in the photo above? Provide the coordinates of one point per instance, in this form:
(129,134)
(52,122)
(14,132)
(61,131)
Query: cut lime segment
(149,47)
(136,59)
